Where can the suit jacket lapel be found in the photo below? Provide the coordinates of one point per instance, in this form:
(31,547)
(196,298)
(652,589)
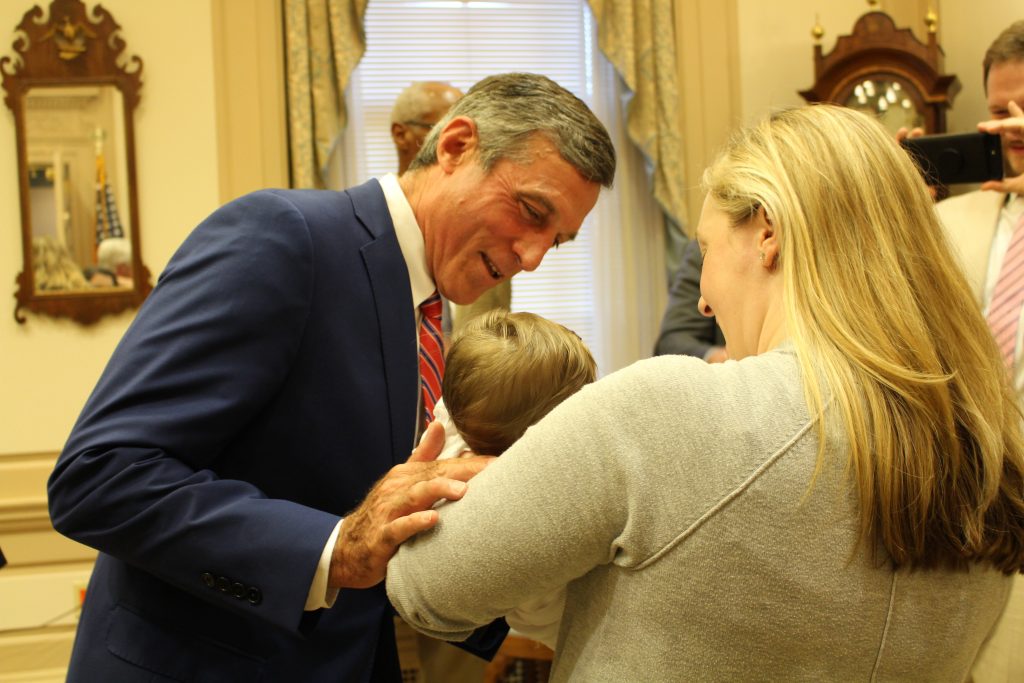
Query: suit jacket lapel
(392,294)
(971,222)
(984,210)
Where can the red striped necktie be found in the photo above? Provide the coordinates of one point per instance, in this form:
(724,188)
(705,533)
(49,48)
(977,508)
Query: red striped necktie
(1008,297)
(431,354)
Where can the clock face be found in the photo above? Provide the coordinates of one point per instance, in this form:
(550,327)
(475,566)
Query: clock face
(888,101)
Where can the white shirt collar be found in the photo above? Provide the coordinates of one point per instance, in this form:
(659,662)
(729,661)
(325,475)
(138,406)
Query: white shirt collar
(410,238)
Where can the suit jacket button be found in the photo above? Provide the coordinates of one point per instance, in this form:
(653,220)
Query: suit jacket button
(255,596)
(223,584)
(207,579)
(238,590)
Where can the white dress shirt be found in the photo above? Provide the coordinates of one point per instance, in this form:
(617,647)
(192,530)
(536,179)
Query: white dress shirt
(1012,211)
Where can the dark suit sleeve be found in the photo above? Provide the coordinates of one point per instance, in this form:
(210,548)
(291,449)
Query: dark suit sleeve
(683,329)
(141,477)
(486,640)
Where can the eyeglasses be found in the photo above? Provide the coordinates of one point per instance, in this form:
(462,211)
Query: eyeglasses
(421,124)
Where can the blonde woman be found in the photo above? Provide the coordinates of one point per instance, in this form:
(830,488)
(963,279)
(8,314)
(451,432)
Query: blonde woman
(842,501)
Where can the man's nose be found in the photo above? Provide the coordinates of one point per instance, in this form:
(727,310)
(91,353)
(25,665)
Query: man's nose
(530,250)
(704,308)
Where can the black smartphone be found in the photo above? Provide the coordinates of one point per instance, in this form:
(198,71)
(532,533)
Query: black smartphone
(959,158)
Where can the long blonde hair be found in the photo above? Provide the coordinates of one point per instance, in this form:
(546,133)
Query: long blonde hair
(888,336)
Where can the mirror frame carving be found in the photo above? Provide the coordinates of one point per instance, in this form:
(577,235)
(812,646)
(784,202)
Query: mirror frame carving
(877,49)
(69,47)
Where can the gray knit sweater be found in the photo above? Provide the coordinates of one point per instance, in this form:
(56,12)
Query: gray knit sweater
(672,499)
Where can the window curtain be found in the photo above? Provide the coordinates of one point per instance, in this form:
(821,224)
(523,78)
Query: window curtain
(629,252)
(638,38)
(324,40)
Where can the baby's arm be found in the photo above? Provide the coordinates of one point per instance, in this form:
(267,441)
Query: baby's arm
(540,617)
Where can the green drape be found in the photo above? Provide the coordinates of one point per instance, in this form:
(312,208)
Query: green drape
(638,38)
(324,40)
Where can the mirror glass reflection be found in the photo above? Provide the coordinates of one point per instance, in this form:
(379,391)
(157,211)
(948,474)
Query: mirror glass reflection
(887,101)
(78,188)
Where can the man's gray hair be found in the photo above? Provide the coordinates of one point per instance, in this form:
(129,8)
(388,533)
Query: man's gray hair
(509,109)
(114,252)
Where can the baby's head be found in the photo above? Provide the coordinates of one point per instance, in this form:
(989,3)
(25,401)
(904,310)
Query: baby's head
(505,371)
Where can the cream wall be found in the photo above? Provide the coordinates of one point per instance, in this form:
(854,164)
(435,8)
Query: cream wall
(48,366)
(776,49)
(967,28)
(742,59)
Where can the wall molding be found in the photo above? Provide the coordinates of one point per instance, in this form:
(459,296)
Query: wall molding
(36,656)
(249,89)
(23,479)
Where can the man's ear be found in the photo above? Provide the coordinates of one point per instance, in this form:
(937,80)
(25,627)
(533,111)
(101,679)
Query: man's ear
(399,137)
(457,142)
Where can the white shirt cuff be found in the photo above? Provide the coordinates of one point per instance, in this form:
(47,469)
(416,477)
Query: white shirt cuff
(320,596)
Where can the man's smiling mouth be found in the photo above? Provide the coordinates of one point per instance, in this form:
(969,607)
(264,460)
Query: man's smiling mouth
(495,273)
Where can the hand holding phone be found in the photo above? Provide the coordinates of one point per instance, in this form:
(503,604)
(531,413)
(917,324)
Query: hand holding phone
(959,158)
(1012,130)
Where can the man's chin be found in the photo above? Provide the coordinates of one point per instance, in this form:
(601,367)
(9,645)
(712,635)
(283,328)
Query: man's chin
(461,298)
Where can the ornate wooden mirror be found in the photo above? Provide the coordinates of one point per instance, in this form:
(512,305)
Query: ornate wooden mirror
(885,71)
(73,94)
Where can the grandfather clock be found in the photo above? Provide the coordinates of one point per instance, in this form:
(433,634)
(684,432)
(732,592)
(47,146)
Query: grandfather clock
(885,71)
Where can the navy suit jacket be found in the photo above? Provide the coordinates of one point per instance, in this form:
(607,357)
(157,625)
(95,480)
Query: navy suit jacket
(268,381)
(684,329)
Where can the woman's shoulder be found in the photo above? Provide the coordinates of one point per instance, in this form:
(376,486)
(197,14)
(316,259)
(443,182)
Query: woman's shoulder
(764,373)
(711,402)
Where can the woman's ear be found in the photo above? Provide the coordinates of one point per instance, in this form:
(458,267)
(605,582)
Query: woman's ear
(768,241)
(456,143)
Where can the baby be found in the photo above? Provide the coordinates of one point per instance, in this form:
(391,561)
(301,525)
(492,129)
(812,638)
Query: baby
(503,373)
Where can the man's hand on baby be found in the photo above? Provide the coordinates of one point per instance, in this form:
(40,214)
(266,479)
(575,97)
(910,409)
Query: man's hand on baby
(398,507)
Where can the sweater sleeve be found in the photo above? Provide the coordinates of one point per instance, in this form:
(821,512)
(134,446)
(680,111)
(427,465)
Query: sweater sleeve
(544,513)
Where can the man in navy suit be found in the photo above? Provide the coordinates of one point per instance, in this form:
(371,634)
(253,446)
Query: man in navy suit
(222,464)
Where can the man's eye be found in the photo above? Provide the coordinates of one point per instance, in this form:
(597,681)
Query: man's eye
(531,212)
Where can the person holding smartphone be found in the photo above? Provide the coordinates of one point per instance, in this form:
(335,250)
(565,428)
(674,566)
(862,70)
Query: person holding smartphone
(986,227)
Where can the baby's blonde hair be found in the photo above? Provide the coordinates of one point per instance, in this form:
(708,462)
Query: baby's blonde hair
(505,371)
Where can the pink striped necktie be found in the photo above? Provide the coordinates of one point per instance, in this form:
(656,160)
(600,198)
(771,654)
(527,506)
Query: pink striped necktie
(431,354)
(1008,297)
